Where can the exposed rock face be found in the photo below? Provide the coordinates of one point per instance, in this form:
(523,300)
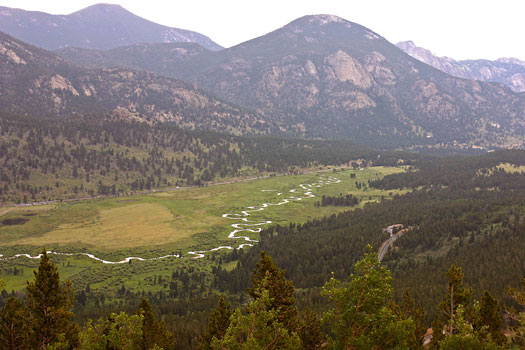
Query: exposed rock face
(345,68)
(101,26)
(509,71)
(44,85)
(322,76)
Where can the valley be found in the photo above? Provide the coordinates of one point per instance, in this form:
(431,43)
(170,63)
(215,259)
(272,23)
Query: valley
(319,186)
(172,228)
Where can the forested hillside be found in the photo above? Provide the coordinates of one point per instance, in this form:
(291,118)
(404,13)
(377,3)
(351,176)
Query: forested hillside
(360,314)
(466,211)
(45,159)
(323,76)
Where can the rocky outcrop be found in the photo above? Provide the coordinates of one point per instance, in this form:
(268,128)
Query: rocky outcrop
(38,83)
(509,71)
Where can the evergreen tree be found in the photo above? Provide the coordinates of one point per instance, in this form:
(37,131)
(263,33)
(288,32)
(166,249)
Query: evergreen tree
(49,306)
(408,309)
(118,332)
(260,328)
(490,316)
(153,331)
(465,337)
(13,325)
(281,290)
(457,295)
(518,316)
(361,318)
(437,335)
(218,323)
(310,331)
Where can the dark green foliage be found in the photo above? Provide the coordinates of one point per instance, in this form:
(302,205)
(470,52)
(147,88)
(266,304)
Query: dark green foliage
(310,331)
(457,217)
(409,309)
(271,319)
(360,317)
(341,201)
(49,304)
(268,276)
(13,325)
(490,315)
(154,333)
(456,295)
(518,316)
(101,157)
(218,323)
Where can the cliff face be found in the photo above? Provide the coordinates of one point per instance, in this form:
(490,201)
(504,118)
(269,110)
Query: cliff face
(509,71)
(320,77)
(39,83)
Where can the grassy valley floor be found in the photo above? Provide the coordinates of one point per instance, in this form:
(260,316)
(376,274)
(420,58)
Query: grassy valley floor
(163,223)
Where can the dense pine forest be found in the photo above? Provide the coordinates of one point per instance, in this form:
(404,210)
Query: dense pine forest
(452,269)
(50,159)
(467,211)
(360,314)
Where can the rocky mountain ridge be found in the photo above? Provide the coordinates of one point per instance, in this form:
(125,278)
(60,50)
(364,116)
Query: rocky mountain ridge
(100,26)
(331,78)
(509,71)
(39,83)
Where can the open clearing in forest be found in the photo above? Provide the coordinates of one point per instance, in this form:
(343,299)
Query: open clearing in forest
(163,222)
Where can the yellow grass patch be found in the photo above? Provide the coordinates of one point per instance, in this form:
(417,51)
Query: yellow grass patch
(130,226)
(510,168)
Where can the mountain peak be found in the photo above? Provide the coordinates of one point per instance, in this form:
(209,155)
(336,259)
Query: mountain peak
(325,19)
(511,60)
(321,20)
(101,8)
(99,26)
(407,43)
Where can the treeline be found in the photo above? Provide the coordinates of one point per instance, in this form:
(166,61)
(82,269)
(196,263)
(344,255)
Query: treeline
(48,159)
(361,314)
(480,228)
(458,172)
(339,201)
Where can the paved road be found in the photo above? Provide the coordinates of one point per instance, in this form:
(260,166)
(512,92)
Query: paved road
(386,244)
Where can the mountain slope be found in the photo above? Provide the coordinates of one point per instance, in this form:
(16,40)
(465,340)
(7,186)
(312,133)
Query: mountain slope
(100,26)
(509,71)
(328,77)
(39,83)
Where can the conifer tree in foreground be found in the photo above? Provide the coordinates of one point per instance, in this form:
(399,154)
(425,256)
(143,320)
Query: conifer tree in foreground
(154,333)
(468,325)
(259,329)
(457,295)
(218,323)
(268,276)
(13,325)
(49,304)
(361,317)
(518,316)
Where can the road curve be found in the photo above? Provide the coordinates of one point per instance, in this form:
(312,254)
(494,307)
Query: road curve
(386,244)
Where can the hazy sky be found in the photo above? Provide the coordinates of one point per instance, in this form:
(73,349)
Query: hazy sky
(460,29)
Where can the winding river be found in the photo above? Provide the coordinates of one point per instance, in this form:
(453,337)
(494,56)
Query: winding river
(241,228)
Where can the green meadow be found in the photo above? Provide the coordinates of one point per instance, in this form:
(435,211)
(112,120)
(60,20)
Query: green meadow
(161,223)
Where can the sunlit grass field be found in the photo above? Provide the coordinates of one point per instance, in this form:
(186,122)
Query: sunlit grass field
(161,223)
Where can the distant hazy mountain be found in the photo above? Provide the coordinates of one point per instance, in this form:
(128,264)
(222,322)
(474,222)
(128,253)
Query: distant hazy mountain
(101,26)
(323,76)
(509,71)
(36,82)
